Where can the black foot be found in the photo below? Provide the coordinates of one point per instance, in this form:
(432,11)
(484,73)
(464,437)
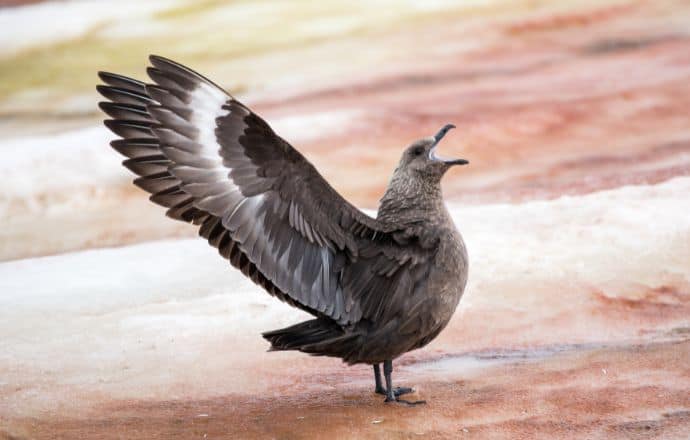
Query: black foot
(392,394)
(406,402)
(398,391)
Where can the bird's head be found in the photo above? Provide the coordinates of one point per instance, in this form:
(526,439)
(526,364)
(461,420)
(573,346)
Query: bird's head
(421,157)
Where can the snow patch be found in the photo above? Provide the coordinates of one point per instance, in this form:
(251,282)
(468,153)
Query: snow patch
(35,165)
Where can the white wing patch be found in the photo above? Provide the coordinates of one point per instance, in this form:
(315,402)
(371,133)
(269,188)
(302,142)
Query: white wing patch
(207,105)
(300,264)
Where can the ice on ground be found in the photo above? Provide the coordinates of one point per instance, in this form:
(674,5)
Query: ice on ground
(34,166)
(172,318)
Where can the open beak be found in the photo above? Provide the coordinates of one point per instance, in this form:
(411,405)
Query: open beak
(432,152)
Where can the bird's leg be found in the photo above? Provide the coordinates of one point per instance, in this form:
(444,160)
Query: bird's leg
(387,370)
(399,391)
(392,395)
(377,380)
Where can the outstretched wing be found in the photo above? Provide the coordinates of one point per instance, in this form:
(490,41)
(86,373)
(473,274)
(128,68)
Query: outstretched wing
(213,162)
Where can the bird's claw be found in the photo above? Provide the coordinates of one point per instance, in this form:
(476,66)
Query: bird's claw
(397,391)
(405,402)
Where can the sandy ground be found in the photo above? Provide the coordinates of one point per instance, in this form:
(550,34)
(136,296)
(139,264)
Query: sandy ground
(116,323)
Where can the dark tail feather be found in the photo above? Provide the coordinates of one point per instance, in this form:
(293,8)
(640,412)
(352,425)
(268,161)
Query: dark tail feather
(319,337)
(304,333)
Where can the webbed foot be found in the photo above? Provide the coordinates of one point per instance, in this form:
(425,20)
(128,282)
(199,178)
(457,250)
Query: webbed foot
(397,391)
(406,402)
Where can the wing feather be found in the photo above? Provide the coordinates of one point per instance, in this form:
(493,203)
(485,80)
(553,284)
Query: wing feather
(214,162)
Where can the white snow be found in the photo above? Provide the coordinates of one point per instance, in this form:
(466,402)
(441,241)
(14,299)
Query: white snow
(154,319)
(310,126)
(36,165)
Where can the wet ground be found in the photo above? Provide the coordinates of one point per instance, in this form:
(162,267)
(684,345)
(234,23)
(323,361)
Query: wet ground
(575,323)
(576,319)
(637,391)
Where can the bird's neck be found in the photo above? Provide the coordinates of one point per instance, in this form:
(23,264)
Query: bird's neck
(411,199)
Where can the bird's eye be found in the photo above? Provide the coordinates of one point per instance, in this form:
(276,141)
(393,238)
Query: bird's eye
(418,151)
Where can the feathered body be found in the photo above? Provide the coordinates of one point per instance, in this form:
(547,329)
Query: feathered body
(377,288)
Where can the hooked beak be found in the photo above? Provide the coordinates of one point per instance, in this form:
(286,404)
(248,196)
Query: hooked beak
(432,153)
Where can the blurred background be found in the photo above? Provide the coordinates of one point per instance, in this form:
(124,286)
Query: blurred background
(575,207)
(550,98)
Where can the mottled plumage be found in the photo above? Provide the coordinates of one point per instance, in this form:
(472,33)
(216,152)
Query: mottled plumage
(377,288)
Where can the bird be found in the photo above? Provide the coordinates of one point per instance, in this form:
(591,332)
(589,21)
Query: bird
(375,287)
